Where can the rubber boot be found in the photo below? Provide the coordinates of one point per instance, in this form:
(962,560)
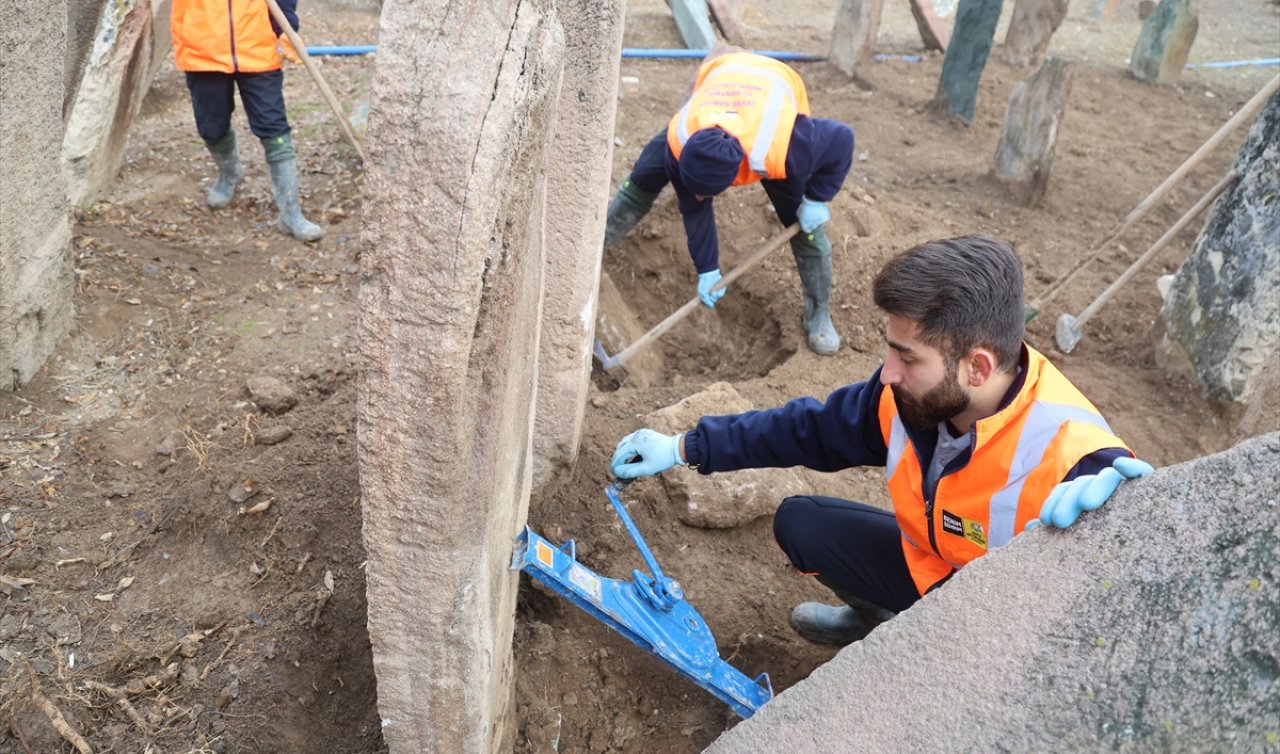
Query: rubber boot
(626,209)
(284,182)
(837,625)
(230,171)
(813,261)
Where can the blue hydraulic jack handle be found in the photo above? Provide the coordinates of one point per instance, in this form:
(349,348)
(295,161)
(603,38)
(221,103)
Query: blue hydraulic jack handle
(649,610)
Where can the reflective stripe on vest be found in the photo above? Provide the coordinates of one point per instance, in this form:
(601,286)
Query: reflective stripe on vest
(1018,456)
(765,131)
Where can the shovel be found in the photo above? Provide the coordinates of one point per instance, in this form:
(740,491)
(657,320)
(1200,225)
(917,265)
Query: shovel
(611,363)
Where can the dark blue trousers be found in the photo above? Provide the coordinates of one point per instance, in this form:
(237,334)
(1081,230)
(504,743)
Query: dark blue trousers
(851,547)
(213,99)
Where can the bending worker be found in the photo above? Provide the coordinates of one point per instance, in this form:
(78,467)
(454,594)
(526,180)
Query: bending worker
(225,44)
(980,437)
(747,120)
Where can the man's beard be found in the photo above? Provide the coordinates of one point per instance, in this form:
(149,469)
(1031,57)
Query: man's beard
(941,402)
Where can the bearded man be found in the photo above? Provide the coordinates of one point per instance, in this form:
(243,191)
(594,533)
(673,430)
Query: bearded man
(980,437)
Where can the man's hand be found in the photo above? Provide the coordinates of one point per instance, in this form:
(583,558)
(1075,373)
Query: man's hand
(707,281)
(645,453)
(812,215)
(286,50)
(1069,499)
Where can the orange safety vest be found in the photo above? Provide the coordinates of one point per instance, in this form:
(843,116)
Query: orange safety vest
(1017,457)
(225,36)
(752,97)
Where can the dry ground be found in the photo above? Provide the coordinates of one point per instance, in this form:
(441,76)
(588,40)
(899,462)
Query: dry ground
(230,631)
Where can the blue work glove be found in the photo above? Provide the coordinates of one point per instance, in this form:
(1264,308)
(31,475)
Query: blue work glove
(812,215)
(645,453)
(707,281)
(1069,499)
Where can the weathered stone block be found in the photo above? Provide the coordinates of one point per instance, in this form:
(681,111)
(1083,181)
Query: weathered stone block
(578,176)
(1030,31)
(966,58)
(1037,107)
(1222,313)
(454,253)
(1165,41)
(853,39)
(721,501)
(1148,626)
(36,278)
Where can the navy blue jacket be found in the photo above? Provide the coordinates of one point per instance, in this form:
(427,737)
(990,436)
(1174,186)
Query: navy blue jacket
(841,433)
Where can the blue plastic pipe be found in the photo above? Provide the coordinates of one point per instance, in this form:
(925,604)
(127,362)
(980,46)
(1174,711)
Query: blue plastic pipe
(627,52)
(1236,63)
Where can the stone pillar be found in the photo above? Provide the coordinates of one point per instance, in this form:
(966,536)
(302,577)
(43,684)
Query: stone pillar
(131,41)
(36,279)
(1165,41)
(460,130)
(853,39)
(1024,156)
(1030,31)
(1222,313)
(578,193)
(966,58)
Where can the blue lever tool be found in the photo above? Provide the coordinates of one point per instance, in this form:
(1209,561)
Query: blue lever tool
(649,610)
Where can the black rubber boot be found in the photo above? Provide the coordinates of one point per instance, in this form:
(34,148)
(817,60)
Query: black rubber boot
(837,625)
(284,183)
(230,171)
(813,261)
(626,209)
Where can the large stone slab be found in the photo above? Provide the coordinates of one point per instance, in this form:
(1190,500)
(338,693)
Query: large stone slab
(36,279)
(1030,31)
(454,252)
(1152,625)
(966,58)
(129,45)
(1165,41)
(853,38)
(1037,107)
(1222,313)
(578,183)
(722,501)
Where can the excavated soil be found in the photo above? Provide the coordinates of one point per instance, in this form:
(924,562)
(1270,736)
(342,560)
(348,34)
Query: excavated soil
(161,544)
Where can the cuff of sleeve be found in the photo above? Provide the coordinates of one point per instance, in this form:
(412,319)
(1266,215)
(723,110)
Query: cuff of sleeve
(693,449)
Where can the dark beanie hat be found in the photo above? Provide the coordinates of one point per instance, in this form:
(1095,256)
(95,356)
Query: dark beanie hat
(709,161)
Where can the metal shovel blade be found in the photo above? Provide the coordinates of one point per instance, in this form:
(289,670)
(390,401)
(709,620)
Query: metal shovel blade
(1067,334)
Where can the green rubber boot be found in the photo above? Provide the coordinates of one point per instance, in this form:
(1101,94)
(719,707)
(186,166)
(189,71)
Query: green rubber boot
(284,183)
(230,171)
(837,625)
(813,261)
(629,205)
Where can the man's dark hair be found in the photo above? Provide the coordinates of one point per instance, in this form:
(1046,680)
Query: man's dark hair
(965,292)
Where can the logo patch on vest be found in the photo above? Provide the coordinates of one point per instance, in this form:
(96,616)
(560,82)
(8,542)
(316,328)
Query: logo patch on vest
(964,527)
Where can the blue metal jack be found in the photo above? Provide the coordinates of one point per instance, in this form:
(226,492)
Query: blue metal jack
(649,610)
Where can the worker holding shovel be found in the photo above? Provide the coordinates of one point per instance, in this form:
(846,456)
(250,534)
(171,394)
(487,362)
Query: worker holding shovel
(980,437)
(747,120)
(227,44)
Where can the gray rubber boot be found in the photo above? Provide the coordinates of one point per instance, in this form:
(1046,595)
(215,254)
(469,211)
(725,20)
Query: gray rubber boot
(626,209)
(813,261)
(230,171)
(837,625)
(284,182)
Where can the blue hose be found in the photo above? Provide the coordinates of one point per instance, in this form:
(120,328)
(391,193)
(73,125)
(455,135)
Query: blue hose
(1236,63)
(627,52)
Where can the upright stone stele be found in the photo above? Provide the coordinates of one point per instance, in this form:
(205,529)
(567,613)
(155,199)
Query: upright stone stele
(577,194)
(460,130)
(1222,313)
(36,278)
(1030,31)
(1165,41)
(853,38)
(129,46)
(1037,107)
(966,58)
